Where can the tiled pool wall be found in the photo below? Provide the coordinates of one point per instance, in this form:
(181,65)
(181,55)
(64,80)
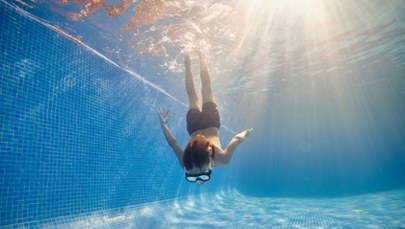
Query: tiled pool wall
(77,134)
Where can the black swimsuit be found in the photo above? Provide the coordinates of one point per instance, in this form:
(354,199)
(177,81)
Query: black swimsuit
(198,120)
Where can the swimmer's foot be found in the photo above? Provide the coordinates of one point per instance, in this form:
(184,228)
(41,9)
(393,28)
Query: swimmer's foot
(202,59)
(187,60)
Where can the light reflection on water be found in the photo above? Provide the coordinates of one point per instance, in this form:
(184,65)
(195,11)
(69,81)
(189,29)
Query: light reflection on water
(230,209)
(248,39)
(254,49)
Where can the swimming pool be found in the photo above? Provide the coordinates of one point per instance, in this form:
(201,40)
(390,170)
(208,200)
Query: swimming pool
(81,144)
(233,210)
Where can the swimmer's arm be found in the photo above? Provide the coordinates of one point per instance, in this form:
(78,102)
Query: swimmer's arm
(164,119)
(225,157)
(173,143)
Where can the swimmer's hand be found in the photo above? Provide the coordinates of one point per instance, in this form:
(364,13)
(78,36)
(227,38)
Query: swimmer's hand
(163,115)
(242,135)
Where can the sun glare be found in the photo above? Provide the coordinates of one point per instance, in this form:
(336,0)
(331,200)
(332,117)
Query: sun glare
(299,4)
(292,6)
(312,11)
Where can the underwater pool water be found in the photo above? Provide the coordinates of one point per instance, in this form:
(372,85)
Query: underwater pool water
(233,210)
(81,145)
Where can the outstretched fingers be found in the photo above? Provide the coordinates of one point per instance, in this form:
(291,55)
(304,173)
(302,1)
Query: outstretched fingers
(164,115)
(248,131)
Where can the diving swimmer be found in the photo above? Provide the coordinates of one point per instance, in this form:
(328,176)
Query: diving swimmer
(203,151)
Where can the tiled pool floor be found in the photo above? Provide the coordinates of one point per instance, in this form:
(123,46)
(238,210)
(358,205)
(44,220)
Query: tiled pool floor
(233,210)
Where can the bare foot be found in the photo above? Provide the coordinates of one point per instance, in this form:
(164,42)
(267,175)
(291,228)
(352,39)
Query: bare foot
(202,59)
(187,60)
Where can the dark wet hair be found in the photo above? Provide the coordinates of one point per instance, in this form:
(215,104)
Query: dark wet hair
(196,153)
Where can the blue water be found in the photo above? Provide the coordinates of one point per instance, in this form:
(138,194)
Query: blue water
(233,210)
(81,145)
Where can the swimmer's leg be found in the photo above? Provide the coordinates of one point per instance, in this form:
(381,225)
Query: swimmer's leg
(192,95)
(205,81)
